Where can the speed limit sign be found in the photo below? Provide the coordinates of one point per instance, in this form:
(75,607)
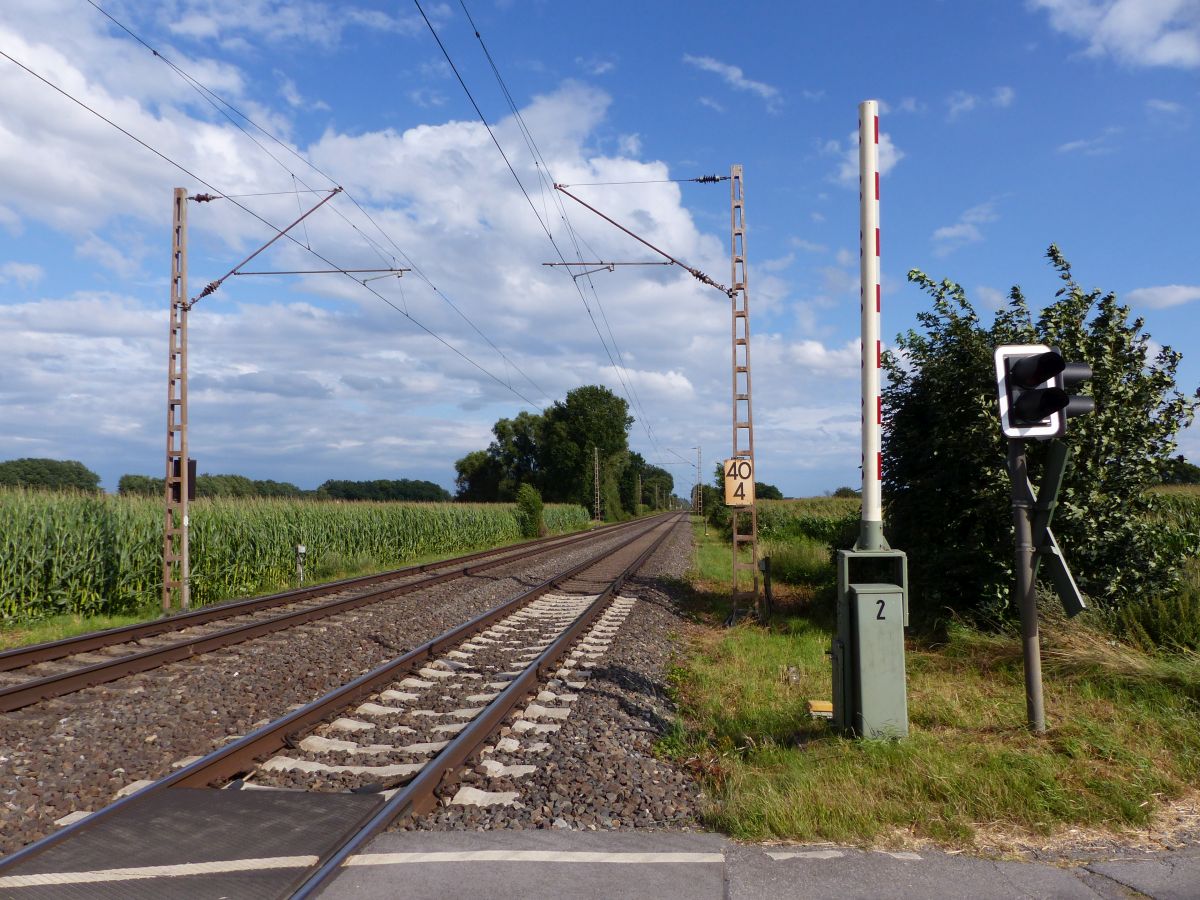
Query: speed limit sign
(739,482)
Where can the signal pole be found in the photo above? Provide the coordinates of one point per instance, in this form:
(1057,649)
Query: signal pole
(176,572)
(743,520)
(596,466)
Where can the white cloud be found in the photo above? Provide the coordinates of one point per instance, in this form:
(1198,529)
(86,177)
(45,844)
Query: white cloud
(965,231)
(594,65)
(109,256)
(961,102)
(23,274)
(904,105)
(710,103)
(1101,145)
(1169,115)
(1166,107)
(778,264)
(282,21)
(1135,32)
(629,144)
(847,172)
(991,298)
(426,97)
(1164,296)
(845,361)
(809,246)
(736,78)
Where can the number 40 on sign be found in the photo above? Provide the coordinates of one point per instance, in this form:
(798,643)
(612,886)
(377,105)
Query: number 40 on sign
(739,482)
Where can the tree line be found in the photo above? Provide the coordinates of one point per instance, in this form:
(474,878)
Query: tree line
(556,453)
(69,474)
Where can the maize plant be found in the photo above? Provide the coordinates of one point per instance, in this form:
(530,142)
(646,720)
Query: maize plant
(89,554)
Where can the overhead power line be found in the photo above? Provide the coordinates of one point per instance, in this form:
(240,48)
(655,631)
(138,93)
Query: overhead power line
(224,108)
(703,179)
(541,168)
(265,222)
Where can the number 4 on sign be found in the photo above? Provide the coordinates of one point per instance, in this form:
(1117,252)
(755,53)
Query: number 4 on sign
(739,482)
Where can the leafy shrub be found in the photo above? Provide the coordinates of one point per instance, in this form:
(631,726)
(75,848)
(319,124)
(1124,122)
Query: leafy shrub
(944,458)
(529,511)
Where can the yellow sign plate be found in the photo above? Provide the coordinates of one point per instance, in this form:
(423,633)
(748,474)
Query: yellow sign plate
(739,482)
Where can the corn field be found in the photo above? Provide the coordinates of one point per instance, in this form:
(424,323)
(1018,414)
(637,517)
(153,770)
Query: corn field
(89,554)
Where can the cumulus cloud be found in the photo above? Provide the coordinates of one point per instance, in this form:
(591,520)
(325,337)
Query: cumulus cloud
(595,65)
(1164,296)
(736,78)
(847,171)
(314,377)
(961,102)
(1135,32)
(23,274)
(965,231)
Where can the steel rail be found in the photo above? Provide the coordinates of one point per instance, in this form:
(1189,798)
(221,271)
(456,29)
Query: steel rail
(418,796)
(23,694)
(238,756)
(20,657)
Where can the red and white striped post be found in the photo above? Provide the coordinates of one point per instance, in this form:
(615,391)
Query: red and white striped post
(871,530)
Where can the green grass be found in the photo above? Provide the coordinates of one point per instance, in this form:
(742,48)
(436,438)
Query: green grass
(1123,738)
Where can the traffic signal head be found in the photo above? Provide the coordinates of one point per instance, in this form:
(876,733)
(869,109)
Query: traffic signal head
(1032,379)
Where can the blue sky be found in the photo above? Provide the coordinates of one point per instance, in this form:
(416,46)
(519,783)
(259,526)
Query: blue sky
(1008,126)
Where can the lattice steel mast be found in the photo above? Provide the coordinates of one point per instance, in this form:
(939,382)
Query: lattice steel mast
(743,520)
(176,572)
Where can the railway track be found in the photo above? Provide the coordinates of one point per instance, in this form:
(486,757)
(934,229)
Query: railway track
(108,655)
(303,793)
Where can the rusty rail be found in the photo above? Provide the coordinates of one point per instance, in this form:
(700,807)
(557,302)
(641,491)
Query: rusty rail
(239,756)
(19,695)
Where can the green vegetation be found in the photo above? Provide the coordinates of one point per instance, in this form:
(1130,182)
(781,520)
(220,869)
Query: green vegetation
(89,554)
(1124,731)
(945,484)
(382,489)
(55,474)
(529,511)
(1178,470)
(554,452)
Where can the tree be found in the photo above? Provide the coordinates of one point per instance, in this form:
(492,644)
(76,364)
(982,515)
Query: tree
(848,492)
(763,491)
(384,490)
(1179,471)
(945,480)
(57,474)
(478,478)
(516,450)
(591,417)
(141,486)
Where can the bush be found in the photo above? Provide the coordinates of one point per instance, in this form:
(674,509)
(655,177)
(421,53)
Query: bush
(529,511)
(944,459)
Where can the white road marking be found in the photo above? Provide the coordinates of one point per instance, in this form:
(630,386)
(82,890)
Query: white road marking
(804,854)
(551,856)
(207,868)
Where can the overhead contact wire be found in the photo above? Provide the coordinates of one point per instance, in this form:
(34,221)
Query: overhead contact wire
(270,225)
(216,101)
